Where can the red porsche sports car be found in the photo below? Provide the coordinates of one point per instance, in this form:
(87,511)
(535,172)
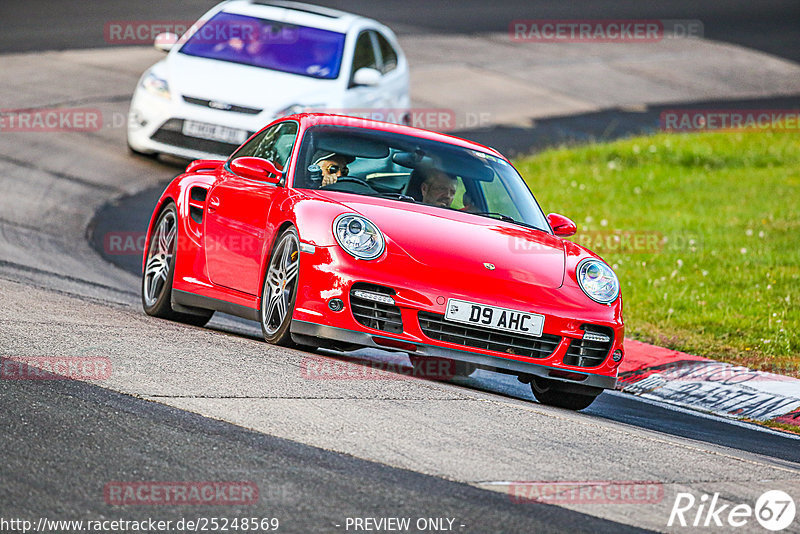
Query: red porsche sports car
(342,232)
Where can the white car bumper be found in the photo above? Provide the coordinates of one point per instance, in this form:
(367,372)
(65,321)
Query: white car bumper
(158,125)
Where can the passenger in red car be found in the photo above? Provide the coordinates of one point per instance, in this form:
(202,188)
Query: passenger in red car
(439,189)
(469,204)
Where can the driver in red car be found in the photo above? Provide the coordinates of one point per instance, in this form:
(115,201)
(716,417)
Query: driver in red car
(333,166)
(438,189)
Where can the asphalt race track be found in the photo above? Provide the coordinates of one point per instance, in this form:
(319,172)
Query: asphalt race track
(217,404)
(132,213)
(770,26)
(115,437)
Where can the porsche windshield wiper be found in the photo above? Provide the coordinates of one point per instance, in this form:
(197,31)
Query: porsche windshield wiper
(501,216)
(506,218)
(397,196)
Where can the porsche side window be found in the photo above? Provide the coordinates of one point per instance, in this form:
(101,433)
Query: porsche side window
(364,54)
(277,144)
(388,54)
(249,148)
(274,144)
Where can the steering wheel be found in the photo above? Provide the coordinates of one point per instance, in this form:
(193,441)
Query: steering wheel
(351,179)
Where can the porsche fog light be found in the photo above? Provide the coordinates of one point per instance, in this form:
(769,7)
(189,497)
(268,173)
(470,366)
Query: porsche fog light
(593,336)
(358,236)
(598,281)
(374,297)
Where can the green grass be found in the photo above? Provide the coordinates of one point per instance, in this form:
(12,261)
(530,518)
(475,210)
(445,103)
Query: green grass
(723,211)
(777,425)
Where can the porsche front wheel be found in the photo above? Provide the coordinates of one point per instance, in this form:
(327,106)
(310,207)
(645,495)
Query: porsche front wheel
(159,272)
(546,392)
(280,289)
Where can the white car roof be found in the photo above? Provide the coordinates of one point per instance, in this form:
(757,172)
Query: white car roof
(297,13)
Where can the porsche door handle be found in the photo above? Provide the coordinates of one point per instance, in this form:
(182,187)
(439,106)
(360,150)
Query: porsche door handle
(213,204)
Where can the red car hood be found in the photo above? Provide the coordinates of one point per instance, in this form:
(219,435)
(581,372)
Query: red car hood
(466,244)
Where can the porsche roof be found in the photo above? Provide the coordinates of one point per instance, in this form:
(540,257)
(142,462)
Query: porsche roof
(313,119)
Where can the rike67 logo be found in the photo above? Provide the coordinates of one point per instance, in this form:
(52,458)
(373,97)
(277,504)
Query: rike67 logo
(774,510)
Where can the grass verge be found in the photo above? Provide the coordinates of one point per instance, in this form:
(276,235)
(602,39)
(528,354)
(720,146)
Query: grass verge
(703,231)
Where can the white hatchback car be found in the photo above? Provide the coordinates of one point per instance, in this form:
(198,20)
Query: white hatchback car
(247,62)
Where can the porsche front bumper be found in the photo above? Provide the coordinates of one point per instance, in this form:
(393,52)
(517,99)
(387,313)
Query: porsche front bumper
(303,330)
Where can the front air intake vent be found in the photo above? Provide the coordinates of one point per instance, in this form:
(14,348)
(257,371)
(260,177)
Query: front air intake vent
(592,349)
(373,306)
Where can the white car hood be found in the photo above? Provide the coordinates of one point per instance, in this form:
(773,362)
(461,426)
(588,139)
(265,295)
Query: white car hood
(243,85)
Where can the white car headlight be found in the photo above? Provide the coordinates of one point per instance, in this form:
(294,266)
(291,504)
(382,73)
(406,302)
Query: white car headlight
(358,236)
(157,86)
(598,281)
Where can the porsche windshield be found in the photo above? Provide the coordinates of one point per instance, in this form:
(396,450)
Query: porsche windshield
(404,168)
(268,44)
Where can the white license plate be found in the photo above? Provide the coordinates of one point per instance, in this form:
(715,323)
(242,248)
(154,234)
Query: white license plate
(214,132)
(519,322)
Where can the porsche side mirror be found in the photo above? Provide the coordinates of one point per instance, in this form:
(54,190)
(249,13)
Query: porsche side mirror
(256,169)
(165,41)
(562,226)
(367,76)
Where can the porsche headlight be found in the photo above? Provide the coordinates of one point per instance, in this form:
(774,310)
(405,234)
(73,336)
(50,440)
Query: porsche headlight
(358,236)
(157,86)
(598,281)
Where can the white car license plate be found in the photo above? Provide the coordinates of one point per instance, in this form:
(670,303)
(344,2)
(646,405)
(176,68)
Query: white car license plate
(519,322)
(214,132)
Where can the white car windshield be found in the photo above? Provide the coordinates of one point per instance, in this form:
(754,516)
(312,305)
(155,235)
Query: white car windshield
(268,44)
(405,168)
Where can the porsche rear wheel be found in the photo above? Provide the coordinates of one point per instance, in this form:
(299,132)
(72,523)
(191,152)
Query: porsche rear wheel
(547,392)
(159,271)
(280,289)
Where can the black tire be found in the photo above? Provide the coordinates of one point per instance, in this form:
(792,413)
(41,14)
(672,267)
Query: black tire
(157,284)
(547,392)
(279,292)
(435,368)
(139,154)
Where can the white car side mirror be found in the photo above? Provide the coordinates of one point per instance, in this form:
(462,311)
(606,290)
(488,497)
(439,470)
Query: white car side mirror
(367,76)
(165,41)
